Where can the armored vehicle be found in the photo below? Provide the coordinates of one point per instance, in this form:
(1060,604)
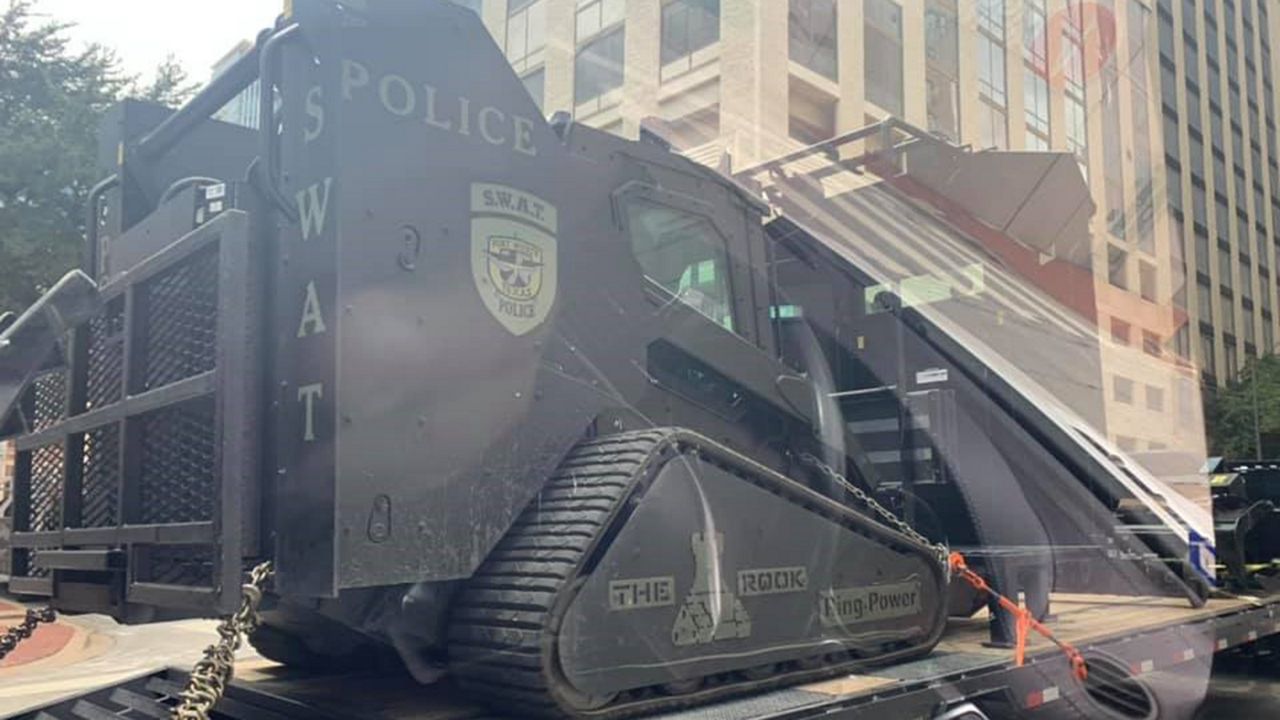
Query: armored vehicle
(562,414)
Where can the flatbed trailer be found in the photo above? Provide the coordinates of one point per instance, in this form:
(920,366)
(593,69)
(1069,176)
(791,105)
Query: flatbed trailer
(1147,655)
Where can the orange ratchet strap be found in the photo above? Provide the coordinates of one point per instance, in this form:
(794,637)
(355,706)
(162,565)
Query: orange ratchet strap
(1024,620)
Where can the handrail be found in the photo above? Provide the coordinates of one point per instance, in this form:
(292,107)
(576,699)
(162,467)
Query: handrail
(90,259)
(830,145)
(268,69)
(220,91)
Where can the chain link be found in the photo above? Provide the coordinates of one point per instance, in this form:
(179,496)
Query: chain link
(885,513)
(212,673)
(14,636)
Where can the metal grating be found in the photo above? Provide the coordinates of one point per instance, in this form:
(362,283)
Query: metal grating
(49,400)
(27,564)
(181,317)
(100,504)
(189,565)
(178,463)
(45,489)
(103,383)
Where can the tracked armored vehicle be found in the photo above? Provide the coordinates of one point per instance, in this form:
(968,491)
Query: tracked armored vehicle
(515,399)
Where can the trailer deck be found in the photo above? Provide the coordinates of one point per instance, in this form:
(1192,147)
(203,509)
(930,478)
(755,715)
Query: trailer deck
(1162,641)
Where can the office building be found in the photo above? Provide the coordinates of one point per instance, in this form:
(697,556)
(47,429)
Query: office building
(1167,104)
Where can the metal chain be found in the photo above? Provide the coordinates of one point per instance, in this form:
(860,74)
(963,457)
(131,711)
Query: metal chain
(212,672)
(885,513)
(16,634)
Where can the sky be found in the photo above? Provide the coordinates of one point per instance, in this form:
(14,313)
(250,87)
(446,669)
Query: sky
(143,32)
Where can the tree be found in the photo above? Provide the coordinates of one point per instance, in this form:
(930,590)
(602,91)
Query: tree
(1231,414)
(169,86)
(51,102)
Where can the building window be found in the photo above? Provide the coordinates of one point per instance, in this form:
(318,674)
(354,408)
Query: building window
(1036,104)
(1117,267)
(1155,398)
(1208,363)
(1112,172)
(812,116)
(688,26)
(1228,313)
(1204,302)
(942,75)
(812,36)
(526,33)
(1151,343)
(1122,390)
(1073,73)
(1231,359)
(535,83)
(991,76)
(991,16)
(1182,343)
(598,67)
(1147,281)
(596,16)
(1224,267)
(1144,210)
(1246,321)
(1119,331)
(1078,133)
(882,43)
(993,126)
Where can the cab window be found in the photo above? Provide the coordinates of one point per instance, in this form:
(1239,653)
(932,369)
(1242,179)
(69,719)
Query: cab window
(683,253)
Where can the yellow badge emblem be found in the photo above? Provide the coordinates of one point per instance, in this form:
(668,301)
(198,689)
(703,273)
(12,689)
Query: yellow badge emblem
(513,255)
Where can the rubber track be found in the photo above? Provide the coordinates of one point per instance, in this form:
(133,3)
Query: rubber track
(499,626)
(501,631)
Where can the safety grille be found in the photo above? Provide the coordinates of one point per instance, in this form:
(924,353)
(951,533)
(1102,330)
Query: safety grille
(26,563)
(180,320)
(45,498)
(103,384)
(49,400)
(190,565)
(178,463)
(99,487)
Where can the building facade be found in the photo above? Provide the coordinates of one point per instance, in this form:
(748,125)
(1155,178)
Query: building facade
(1218,113)
(1163,102)
(243,108)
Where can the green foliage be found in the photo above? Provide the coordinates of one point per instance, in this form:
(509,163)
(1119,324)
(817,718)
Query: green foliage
(170,85)
(1231,414)
(52,98)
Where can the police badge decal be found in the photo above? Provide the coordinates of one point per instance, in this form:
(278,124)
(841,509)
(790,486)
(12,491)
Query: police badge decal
(513,255)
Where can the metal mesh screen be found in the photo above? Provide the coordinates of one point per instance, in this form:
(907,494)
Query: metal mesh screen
(190,565)
(45,489)
(181,316)
(178,463)
(49,395)
(26,564)
(100,504)
(106,357)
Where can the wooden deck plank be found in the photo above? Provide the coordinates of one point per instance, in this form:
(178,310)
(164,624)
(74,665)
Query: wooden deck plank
(1076,618)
